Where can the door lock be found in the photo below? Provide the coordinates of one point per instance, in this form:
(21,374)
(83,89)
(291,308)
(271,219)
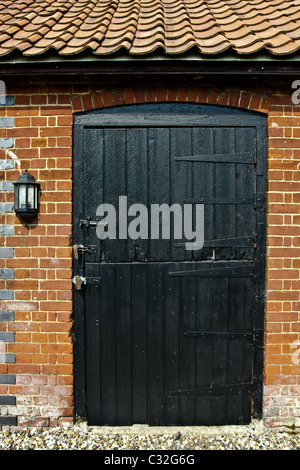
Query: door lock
(78,281)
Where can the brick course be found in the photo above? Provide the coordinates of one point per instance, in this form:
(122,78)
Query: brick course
(36,261)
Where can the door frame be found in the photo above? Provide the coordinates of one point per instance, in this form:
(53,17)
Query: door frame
(195,115)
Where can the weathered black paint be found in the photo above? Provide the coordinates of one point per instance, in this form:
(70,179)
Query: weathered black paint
(221,66)
(171,337)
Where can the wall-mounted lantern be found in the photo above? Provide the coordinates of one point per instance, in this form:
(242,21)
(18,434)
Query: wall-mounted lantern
(26,197)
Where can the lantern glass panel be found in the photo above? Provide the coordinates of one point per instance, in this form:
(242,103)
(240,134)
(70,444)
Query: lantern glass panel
(31,191)
(16,198)
(22,196)
(35,197)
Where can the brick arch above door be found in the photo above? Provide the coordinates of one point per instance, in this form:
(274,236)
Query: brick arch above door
(240,99)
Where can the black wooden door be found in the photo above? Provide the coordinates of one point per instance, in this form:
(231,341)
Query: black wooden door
(166,335)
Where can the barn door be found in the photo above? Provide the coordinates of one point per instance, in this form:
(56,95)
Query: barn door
(165,334)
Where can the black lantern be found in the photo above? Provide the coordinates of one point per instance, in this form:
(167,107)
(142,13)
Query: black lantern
(26,197)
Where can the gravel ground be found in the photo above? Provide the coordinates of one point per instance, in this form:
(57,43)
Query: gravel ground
(140,437)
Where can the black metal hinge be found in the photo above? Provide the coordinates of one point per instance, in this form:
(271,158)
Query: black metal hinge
(233,389)
(221,200)
(255,337)
(244,157)
(218,335)
(259,200)
(228,271)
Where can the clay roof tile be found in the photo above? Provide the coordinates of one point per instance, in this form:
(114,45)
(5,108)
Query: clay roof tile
(141,27)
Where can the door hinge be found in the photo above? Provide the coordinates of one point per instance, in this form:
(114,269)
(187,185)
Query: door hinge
(258,200)
(233,389)
(228,271)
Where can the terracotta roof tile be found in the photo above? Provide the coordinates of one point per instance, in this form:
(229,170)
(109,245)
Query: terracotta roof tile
(140,27)
(295,34)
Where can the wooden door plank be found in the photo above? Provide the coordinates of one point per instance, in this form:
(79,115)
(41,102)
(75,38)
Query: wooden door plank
(114,186)
(204,348)
(245,185)
(139,347)
(171,346)
(202,185)
(219,347)
(225,224)
(188,363)
(156,359)
(159,187)
(123,344)
(93,351)
(236,359)
(108,365)
(180,145)
(136,190)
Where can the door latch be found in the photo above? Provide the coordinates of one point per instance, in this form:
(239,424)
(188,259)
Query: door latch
(91,223)
(78,281)
(87,222)
(80,249)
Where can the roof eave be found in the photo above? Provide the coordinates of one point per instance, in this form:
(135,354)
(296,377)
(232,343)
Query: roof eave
(156,63)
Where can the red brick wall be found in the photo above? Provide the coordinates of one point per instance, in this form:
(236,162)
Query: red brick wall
(40,359)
